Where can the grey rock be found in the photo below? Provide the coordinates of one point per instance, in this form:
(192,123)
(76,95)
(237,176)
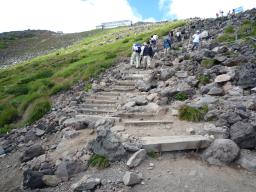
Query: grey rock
(33,179)
(201,101)
(51,180)
(222,78)
(205,89)
(39,132)
(86,184)
(31,152)
(216,91)
(220,58)
(141,100)
(217,132)
(143,85)
(221,151)
(166,74)
(136,158)
(247,160)
(107,144)
(235,61)
(78,123)
(2,150)
(132,147)
(62,172)
(244,134)
(181,74)
(131,178)
(247,76)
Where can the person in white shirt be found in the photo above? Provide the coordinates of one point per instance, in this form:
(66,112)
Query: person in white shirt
(196,40)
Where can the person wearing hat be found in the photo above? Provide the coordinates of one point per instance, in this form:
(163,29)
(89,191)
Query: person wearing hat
(196,40)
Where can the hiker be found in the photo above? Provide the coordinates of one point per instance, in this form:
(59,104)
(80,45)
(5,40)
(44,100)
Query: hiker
(170,34)
(178,36)
(153,43)
(135,58)
(196,40)
(167,46)
(147,54)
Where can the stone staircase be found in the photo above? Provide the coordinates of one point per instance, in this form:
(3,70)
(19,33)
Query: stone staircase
(156,132)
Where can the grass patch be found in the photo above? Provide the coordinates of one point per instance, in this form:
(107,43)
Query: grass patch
(87,87)
(207,63)
(3,45)
(37,110)
(99,161)
(192,114)
(229,29)
(203,79)
(8,116)
(126,40)
(181,96)
(17,90)
(153,154)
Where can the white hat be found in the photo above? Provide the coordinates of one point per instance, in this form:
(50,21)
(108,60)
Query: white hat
(198,31)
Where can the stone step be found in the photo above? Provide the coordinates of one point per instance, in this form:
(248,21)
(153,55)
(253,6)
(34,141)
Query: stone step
(103,97)
(98,117)
(135,115)
(100,101)
(174,143)
(125,82)
(145,122)
(99,106)
(137,71)
(95,111)
(134,76)
(120,88)
(109,93)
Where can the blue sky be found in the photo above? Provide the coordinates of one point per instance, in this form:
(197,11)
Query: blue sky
(80,15)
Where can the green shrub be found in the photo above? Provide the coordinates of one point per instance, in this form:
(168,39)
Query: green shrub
(153,154)
(98,161)
(226,38)
(192,114)
(138,39)
(203,79)
(125,41)
(8,115)
(181,96)
(5,129)
(207,63)
(87,87)
(229,29)
(37,110)
(17,90)
(27,100)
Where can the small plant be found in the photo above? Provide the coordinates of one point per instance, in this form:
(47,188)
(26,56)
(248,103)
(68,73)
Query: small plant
(207,63)
(226,38)
(203,79)
(88,87)
(99,161)
(192,114)
(229,29)
(181,96)
(153,154)
(125,41)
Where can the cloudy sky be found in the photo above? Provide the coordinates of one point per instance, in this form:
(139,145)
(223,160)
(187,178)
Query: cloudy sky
(80,15)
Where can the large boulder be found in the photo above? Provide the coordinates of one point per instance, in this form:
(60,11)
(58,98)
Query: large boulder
(136,158)
(107,144)
(31,152)
(244,134)
(221,151)
(131,178)
(166,74)
(247,76)
(33,179)
(247,160)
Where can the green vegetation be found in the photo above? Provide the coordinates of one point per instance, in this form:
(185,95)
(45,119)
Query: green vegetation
(203,79)
(181,96)
(3,44)
(192,114)
(153,154)
(99,161)
(229,29)
(87,87)
(207,63)
(27,87)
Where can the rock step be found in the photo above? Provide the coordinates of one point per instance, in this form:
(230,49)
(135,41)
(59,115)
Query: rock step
(99,106)
(109,93)
(95,111)
(174,143)
(125,82)
(100,101)
(120,88)
(134,76)
(97,117)
(135,115)
(136,72)
(102,97)
(145,122)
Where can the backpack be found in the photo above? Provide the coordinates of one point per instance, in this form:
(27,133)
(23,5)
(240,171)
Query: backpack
(137,47)
(153,41)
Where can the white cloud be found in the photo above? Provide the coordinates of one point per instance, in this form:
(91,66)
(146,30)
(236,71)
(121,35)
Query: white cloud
(205,8)
(162,3)
(62,15)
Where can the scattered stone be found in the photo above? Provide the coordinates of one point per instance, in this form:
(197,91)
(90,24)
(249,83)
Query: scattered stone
(87,183)
(132,147)
(131,178)
(247,160)
(216,91)
(222,78)
(221,151)
(136,158)
(51,180)
(39,132)
(244,134)
(33,151)
(33,179)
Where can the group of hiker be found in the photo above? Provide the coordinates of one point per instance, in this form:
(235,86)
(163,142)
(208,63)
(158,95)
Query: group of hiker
(142,54)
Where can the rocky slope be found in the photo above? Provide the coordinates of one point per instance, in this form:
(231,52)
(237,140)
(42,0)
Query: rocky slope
(215,85)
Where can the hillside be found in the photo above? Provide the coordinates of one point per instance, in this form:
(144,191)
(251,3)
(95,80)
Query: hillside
(89,121)
(25,88)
